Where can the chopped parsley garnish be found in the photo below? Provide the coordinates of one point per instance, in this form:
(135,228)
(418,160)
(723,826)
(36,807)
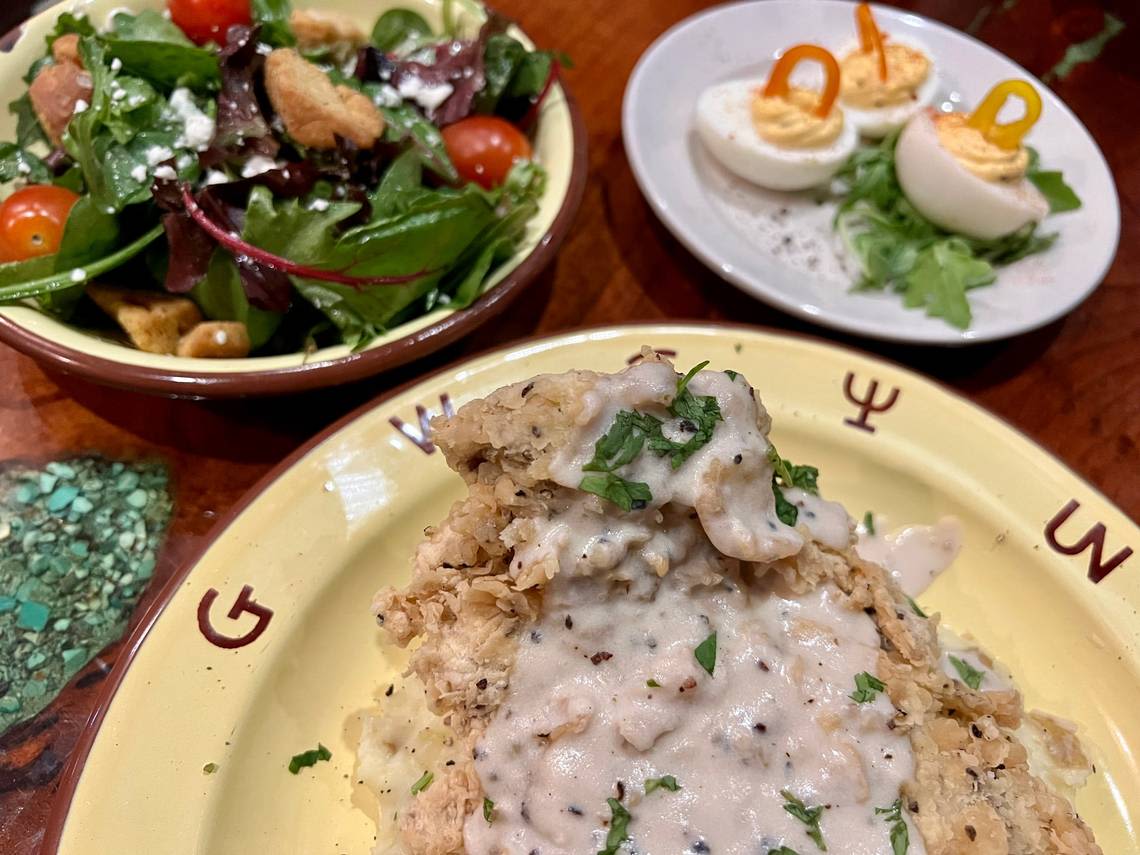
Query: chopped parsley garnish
(488,810)
(619,827)
(732,375)
(787,474)
(309,758)
(210,768)
(866,687)
(914,607)
(869,523)
(809,816)
(665,782)
(706,653)
(652,684)
(900,837)
(970,675)
(423,783)
(627,495)
(632,431)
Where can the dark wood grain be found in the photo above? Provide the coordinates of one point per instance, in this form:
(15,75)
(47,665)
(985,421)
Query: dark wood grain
(1074,386)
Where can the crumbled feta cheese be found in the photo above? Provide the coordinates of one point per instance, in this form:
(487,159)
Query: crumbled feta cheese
(387,96)
(165,172)
(118,93)
(23,168)
(427,95)
(197,127)
(80,106)
(443,299)
(319,205)
(156,154)
(264,49)
(116,64)
(78,274)
(256,165)
(216,176)
(138,173)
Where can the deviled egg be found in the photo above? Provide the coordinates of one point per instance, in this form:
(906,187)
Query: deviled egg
(774,134)
(885,82)
(966,173)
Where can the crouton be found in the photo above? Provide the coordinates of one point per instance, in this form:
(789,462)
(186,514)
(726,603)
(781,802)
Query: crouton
(316,112)
(317,28)
(55,93)
(216,340)
(153,322)
(66,49)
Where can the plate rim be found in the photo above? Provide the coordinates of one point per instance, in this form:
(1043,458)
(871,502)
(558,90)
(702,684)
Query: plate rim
(756,288)
(310,376)
(72,772)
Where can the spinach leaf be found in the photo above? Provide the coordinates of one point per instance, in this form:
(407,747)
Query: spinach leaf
(11,292)
(501,60)
(404,124)
(18,164)
(152,47)
(221,297)
(89,234)
(273,16)
(400,31)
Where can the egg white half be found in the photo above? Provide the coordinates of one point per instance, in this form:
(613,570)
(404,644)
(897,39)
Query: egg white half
(877,123)
(724,124)
(951,196)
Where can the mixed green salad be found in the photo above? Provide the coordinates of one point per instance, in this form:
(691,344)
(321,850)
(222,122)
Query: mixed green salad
(281,169)
(900,250)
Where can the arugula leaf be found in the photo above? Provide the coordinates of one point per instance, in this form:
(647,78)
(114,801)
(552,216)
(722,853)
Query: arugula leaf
(900,837)
(309,758)
(153,47)
(19,164)
(970,675)
(867,687)
(400,31)
(665,782)
(423,783)
(808,816)
(488,810)
(900,250)
(627,495)
(69,22)
(273,17)
(705,654)
(619,827)
(1060,196)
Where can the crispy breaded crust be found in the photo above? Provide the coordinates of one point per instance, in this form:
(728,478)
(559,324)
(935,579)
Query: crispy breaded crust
(316,112)
(973,791)
(215,340)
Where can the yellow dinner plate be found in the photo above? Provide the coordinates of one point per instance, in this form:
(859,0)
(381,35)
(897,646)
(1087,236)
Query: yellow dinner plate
(264,646)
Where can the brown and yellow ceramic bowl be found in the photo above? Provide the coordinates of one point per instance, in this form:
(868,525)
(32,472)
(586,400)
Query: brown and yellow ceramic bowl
(560,145)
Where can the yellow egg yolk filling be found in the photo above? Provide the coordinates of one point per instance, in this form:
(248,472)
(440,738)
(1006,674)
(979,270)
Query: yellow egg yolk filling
(862,85)
(980,156)
(790,121)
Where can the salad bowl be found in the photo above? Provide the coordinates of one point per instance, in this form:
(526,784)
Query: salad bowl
(97,353)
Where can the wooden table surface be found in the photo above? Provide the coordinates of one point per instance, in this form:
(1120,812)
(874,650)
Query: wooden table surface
(1074,386)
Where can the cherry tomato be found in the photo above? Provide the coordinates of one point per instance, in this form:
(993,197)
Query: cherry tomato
(483,148)
(207,20)
(32,221)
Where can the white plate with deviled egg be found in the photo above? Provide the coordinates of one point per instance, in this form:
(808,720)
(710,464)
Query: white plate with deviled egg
(688,125)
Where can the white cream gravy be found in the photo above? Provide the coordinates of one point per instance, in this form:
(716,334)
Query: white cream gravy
(630,597)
